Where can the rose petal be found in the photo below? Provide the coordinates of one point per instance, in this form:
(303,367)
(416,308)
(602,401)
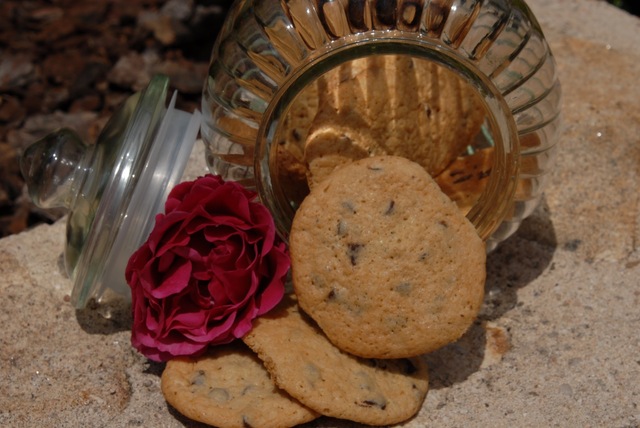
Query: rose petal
(244,324)
(179,346)
(218,232)
(237,283)
(174,280)
(191,321)
(167,230)
(217,333)
(165,261)
(265,223)
(136,262)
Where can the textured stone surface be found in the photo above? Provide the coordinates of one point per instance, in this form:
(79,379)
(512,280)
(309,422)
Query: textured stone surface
(558,343)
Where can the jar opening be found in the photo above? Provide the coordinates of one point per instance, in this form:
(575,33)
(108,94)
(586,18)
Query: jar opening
(387,97)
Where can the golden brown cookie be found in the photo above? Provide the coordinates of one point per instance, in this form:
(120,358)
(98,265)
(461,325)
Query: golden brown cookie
(339,133)
(329,148)
(402,106)
(384,262)
(230,388)
(436,115)
(305,364)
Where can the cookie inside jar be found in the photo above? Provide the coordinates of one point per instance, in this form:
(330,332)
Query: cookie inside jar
(393,104)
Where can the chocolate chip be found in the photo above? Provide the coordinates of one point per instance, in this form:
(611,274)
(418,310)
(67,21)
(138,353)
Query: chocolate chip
(349,206)
(353,251)
(484,174)
(221,395)
(373,403)
(199,378)
(404,288)
(390,207)
(312,374)
(463,179)
(245,422)
(317,281)
(427,110)
(342,228)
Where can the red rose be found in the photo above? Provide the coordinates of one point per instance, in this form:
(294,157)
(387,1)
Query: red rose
(211,265)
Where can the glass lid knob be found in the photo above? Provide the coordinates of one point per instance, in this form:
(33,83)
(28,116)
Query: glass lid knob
(53,168)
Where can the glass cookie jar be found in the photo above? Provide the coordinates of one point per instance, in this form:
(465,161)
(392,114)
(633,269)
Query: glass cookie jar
(466,88)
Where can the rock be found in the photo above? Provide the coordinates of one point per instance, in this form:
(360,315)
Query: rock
(93,72)
(47,14)
(91,102)
(16,71)
(88,14)
(11,110)
(130,72)
(180,10)
(54,98)
(55,31)
(160,25)
(62,68)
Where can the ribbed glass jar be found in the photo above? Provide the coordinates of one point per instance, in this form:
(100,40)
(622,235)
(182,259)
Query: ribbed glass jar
(397,77)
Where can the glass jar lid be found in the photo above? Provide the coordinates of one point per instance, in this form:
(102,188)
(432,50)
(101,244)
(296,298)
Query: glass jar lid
(114,188)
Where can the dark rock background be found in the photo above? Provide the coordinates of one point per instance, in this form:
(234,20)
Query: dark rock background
(72,63)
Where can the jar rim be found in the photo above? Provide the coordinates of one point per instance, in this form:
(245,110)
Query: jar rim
(495,202)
